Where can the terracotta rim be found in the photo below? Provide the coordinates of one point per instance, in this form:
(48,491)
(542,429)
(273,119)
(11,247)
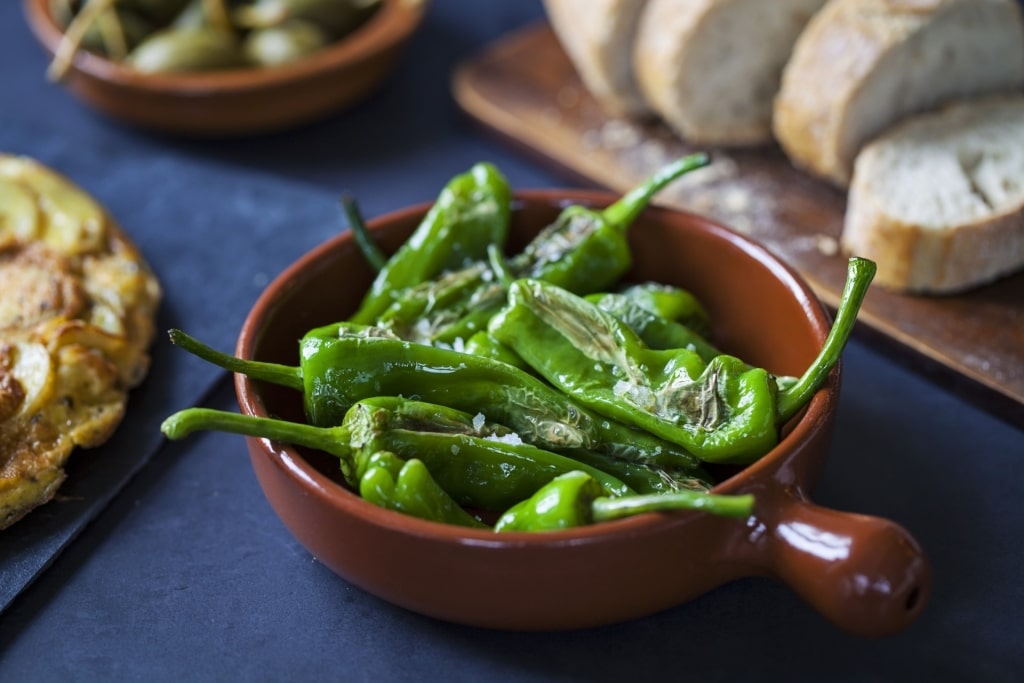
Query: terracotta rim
(340,498)
(389,26)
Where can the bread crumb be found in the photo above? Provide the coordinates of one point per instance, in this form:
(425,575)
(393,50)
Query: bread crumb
(619,134)
(736,199)
(653,154)
(827,245)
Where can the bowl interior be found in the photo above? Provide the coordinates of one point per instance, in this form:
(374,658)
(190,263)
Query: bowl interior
(588,576)
(761,311)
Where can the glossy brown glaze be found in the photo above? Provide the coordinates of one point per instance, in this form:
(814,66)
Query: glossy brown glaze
(243,101)
(865,574)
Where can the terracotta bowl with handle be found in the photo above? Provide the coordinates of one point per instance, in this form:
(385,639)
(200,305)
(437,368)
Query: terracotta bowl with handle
(238,102)
(865,574)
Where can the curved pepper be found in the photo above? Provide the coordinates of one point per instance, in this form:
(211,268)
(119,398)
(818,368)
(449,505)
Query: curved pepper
(453,305)
(656,332)
(644,477)
(584,250)
(665,301)
(671,303)
(722,411)
(653,329)
(343,363)
(476,463)
(340,368)
(638,476)
(406,486)
(576,499)
(471,212)
(484,345)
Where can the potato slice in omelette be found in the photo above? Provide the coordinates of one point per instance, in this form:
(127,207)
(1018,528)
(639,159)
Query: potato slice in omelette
(77,316)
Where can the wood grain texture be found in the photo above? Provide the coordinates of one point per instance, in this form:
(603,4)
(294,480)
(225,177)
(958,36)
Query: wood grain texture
(524,88)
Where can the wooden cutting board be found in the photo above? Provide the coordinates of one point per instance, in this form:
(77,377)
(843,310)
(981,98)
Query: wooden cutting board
(524,88)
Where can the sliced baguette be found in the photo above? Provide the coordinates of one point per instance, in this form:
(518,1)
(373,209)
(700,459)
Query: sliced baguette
(862,65)
(597,36)
(711,68)
(938,201)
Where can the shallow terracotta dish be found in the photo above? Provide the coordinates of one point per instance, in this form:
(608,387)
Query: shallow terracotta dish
(865,574)
(243,101)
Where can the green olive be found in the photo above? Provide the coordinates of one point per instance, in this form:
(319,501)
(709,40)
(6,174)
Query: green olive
(180,50)
(62,11)
(206,13)
(335,17)
(132,29)
(160,12)
(193,16)
(288,42)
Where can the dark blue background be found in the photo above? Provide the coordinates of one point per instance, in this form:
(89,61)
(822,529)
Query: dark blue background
(187,574)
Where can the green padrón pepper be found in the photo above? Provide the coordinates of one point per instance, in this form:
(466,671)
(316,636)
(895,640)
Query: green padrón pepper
(471,213)
(342,364)
(722,411)
(587,250)
(406,486)
(654,330)
(584,250)
(480,465)
(665,301)
(576,499)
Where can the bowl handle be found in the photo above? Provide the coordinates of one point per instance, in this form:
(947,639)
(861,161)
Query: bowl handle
(865,574)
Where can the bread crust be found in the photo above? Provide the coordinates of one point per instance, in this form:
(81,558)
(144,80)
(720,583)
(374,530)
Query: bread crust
(597,36)
(850,44)
(707,80)
(934,259)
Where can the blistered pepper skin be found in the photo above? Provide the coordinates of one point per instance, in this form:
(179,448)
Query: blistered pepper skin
(471,213)
(722,410)
(587,250)
(344,363)
(655,330)
(583,250)
(472,461)
(340,368)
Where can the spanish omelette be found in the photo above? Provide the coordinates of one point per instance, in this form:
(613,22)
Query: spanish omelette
(77,316)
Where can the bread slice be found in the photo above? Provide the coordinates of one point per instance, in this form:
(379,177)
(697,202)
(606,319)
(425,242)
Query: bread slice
(711,68)
(938,202)
(862,65)
(598,35)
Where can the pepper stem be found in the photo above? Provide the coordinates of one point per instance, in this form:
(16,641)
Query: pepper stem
(623,212)
(333,440)
(361,233)
(859,274)
(71,42)
(605,509)
(284,375)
